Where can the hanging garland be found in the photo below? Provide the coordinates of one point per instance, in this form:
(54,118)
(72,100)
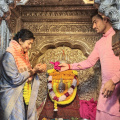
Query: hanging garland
(62,97)
(27,92)
(68,95)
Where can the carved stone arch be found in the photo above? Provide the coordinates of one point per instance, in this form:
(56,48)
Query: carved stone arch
(83,46)
(52,44)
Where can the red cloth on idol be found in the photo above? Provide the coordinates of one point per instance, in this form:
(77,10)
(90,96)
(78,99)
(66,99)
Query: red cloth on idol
(88,109)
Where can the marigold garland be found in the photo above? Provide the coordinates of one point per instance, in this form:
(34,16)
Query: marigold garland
(55,106)
(66,98)
(53,70)
(50,71)
(61,99)
(27,92)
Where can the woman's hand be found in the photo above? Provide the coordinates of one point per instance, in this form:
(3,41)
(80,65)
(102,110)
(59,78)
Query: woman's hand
(40,68)
(43,68)
(36,68)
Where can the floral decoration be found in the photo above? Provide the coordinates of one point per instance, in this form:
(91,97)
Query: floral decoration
(53,81)
(27,92)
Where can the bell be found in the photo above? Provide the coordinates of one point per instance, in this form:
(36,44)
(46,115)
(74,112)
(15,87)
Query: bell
(61,86)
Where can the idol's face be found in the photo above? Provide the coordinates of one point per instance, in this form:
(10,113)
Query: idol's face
(98,24)
(26,45)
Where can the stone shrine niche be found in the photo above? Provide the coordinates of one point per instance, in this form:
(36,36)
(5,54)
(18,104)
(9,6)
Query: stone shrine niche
(89,78)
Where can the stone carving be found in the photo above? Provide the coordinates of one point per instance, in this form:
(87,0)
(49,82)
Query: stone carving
(47,14)
(56,13)
(55,2)
(58,28)
(15,21)
(12,25)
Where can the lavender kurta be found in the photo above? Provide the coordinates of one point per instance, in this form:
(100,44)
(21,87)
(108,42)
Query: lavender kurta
(110,68)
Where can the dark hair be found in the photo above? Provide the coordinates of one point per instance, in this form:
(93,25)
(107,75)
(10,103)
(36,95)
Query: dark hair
(95,13)
(24,35)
